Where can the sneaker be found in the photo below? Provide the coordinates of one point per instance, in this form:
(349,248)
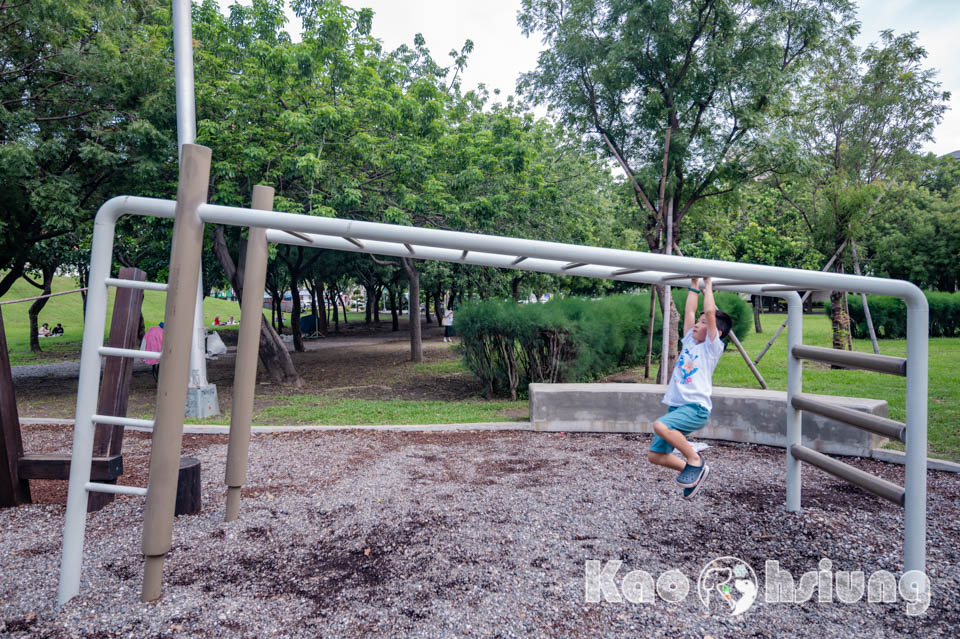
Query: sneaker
(688,493)
(691,474)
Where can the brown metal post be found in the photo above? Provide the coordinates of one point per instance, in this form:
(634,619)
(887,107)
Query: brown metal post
(13,490)
(175,367)
(248,347)
(117,373)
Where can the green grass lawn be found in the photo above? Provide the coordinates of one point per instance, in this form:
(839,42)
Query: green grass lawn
(68,310)
(944,391)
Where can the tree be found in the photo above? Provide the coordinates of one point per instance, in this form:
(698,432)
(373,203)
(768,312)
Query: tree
(679,94)
(865,114)
(76,78)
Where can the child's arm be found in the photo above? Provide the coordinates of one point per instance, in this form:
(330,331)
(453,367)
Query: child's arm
(709,308)
(690,308)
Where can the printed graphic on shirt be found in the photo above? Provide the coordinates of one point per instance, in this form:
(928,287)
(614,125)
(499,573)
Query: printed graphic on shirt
(686,367)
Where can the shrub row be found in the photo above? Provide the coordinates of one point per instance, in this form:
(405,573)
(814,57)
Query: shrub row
(889,315)
(508,346)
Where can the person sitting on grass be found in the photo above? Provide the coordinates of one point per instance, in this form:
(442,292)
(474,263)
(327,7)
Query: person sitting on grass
(44,330)
(57,330)
(688,393)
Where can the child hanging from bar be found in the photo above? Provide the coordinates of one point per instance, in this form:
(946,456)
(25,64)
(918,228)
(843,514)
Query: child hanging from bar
(689,391)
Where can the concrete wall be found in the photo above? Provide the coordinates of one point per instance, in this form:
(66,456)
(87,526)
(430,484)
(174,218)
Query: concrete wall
(739,415)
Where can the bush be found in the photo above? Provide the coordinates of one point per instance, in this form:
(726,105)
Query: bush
(508,346)
(889,315)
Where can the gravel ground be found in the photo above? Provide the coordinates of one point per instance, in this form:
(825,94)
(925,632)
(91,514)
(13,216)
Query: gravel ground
(349,533)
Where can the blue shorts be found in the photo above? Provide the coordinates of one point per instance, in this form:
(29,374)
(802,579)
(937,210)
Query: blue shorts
(686,419)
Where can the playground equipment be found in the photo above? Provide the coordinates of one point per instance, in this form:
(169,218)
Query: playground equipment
(190,213)
(107,463)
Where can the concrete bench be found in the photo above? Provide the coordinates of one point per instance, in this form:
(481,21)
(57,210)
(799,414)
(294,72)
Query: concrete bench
(739,415)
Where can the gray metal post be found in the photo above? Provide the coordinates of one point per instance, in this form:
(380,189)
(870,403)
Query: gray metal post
(915,484)
(172,387)
(248,347)
(94,323)
(187,134)
(794,386)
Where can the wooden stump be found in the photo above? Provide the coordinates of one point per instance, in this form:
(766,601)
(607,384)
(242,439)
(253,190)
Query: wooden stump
(188,487)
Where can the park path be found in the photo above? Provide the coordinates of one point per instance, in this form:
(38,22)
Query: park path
(71,369)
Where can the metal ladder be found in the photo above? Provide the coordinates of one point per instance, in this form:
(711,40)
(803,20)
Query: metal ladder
(167,425)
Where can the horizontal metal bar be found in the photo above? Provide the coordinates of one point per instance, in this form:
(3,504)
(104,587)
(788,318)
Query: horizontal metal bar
(866,421)
(627,271)
(877,486)
(146,286)
(122,421)
(94,487)
(792,288)
(353,241)
(109,351)
(518,260)
(853,359)
(410,248)
(437,238)
(572,265)
(734,283)
(672,278)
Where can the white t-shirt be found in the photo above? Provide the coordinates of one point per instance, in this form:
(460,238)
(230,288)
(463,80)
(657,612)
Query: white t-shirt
(448,318)
(692,381)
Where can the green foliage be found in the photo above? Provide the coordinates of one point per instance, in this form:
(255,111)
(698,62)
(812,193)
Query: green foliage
(508,346)
(889,315)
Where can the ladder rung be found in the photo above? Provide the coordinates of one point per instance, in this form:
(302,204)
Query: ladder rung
(109,351)
(866,421)
(94,487)
(877,486)
(853,359)
(123,421)
(146,286)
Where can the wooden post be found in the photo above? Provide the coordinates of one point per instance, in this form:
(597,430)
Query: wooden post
(117,373)
(746,358)
(14,490)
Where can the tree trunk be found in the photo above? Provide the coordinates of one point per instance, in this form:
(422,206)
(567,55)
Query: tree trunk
(37,306)
(273,354)
(438,301)
(757,303)
(838,320)
(653,310)
(368,312)
(321,288)
(426,307)
(416,338)
(295,313)
(674,338)
(393,309)
(343,306)
(377,298)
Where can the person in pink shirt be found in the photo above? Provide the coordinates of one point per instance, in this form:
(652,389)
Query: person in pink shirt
(153,341)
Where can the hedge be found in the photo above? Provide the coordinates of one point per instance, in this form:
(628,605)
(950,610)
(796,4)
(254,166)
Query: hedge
(889,315)
(508,346)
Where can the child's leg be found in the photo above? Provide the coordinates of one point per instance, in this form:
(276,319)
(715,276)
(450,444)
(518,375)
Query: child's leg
(676,439)
(665,459)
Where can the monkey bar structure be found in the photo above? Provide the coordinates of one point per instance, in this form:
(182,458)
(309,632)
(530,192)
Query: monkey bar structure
(191,212)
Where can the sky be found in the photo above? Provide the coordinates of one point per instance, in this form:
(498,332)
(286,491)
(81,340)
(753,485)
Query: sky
(501,52)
